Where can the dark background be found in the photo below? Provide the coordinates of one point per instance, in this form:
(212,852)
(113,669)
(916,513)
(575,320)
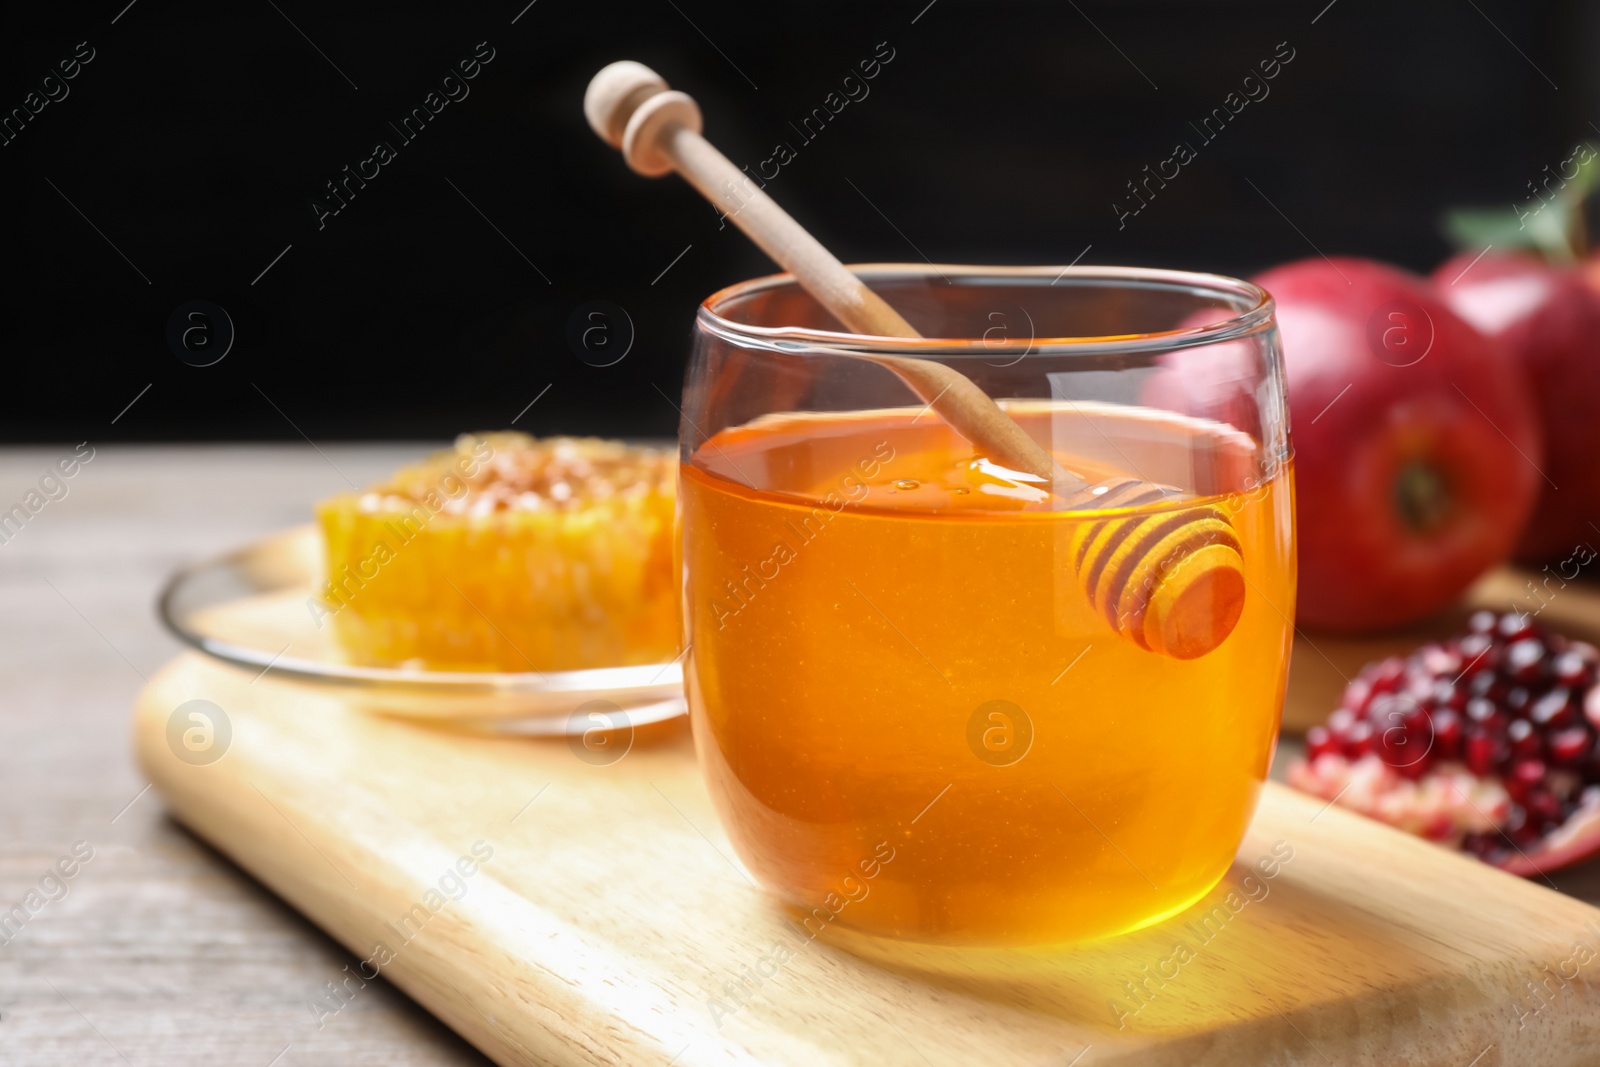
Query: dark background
(1001,131)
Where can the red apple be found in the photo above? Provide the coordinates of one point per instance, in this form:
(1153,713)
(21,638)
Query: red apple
(1589,268)
(1415,443)
(1414,437)
(1549,319)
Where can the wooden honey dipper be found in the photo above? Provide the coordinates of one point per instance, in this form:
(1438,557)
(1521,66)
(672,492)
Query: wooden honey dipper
(1171,581)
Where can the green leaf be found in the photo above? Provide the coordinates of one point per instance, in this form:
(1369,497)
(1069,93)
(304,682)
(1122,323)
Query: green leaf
(1550,231)
(1551,223)
(1472,229)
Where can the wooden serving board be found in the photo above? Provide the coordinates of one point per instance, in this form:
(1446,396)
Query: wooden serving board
(600,918)
(1322,663)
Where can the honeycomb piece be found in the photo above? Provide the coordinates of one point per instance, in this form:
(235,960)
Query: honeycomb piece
(507,553)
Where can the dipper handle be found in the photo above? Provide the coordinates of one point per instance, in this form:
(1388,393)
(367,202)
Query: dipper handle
(658,130)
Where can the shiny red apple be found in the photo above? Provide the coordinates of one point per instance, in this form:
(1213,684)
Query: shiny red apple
(1415,437)
(1549,319)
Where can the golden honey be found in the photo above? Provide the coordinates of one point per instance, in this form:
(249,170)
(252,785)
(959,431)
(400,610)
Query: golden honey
(893,656)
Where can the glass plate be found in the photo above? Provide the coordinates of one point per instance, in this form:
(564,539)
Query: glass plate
(248,608)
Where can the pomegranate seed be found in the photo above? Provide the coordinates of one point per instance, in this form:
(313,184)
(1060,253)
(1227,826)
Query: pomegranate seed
(1591,707)
(1445,695)
(1358,740)
(1339,723)
(1357,695)
(1570,747)
(1483,622)
(1391,709)
(1482,752)
(1484,715)
(1388,675)
(1485,846)
(1570,670)
(1553,711)
(1545,809)
(1396,747)
(1524,660)
(1478,654)
(1438,661)
(1388,709)
(1320,742)
(1516,702)
(1524,741)
(1515,625)
(1488,685)
(1446,734)
(1519,828)
(1526,775)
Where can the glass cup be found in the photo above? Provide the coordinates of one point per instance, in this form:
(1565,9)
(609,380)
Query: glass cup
(919,712)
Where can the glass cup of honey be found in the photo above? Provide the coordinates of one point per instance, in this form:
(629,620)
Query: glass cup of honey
(942,700)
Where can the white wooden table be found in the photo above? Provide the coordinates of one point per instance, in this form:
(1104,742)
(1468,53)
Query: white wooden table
(161,952)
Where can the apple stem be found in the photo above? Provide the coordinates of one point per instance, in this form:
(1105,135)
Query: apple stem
(1422,496)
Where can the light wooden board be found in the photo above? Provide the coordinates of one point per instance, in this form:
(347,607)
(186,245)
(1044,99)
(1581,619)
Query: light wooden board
(1323,663)
(611,920)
